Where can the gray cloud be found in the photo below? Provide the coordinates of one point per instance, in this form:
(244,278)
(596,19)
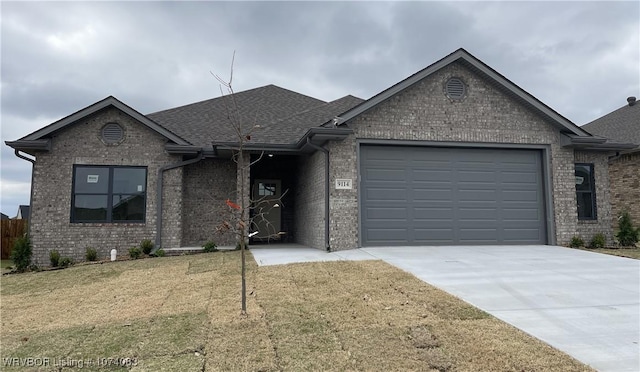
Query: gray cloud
(580,58)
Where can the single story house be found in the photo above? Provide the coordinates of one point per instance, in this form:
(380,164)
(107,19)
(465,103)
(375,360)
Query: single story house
(455,154)
(622,125)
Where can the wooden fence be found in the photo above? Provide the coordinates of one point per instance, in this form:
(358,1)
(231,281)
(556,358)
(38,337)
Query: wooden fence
(11,230)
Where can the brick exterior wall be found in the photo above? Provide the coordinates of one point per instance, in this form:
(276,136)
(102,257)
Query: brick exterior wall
(309,201)
(208,184)
(423,112)
(624,178)
(52,187)
(586,229)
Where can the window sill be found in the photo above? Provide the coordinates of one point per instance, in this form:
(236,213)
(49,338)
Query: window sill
(103,224)
(588,222)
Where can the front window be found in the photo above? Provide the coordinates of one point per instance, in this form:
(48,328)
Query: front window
(108,194)
(585,192)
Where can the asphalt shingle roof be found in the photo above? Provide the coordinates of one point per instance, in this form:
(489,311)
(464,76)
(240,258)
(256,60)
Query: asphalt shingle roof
(622,125)
(283,116)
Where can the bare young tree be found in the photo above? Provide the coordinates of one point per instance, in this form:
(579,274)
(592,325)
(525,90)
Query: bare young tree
(242,221)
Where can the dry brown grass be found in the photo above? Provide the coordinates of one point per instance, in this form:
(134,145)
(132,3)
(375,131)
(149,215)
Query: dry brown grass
(182,313)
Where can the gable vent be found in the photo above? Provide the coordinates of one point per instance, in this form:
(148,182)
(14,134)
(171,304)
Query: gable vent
(112,133)
(455,88)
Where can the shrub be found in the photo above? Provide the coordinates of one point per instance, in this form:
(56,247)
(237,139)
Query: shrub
(54,257)
(135,252)
(146,246)
(576,242)
(21,254)
(598,241)
(160,253)
(210,247)
(66,261)
(628,235)
(91,254)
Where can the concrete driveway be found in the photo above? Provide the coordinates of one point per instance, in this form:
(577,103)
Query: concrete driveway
(585,304)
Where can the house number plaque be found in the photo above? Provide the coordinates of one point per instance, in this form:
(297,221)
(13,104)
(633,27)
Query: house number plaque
(344,184)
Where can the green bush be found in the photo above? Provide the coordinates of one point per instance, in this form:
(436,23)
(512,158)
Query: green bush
(21,254)
(598,241)
(146,246)
(576,242)
(210,247)
(135,252)
(54,258)
(66,261)
(160,253)
(91,254)
(628,235)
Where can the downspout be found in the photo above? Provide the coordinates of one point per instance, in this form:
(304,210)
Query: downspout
(159,191)
(33,165)
(326,191)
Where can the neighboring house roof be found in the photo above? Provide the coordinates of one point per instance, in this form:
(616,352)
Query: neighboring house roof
(3,216)
(23,212)
(621,125)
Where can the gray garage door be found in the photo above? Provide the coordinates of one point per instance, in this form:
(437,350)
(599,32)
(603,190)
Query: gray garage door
(446,196)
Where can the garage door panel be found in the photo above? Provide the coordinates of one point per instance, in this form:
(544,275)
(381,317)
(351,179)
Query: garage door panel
(477,176)
(424,194)
(434,235)
(431,175)
(478,214)
(518,177)
(521,234)
(520,214)
(389,213)
(478,234)
(451,196)
(445,213)
(387,194)
(477,195)
(388,236)
(384,174)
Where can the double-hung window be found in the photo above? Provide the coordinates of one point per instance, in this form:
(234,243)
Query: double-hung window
(109,194)
(585,191)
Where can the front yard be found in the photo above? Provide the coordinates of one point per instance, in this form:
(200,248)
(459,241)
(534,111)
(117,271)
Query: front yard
(182,314)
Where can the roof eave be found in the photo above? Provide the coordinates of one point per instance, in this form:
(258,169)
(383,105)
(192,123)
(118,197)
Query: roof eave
(29,146)
(182,149)
(594,143)
(317,135)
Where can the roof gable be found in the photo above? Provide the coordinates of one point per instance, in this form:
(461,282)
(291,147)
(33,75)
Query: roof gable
(479,67)
(89,110)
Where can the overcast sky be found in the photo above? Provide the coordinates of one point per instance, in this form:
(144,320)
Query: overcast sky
(580,58)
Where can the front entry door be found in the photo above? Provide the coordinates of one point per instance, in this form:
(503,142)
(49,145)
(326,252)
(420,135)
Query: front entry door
(266,209)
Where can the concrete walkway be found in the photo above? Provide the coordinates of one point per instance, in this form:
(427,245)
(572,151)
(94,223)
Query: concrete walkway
(585,304)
